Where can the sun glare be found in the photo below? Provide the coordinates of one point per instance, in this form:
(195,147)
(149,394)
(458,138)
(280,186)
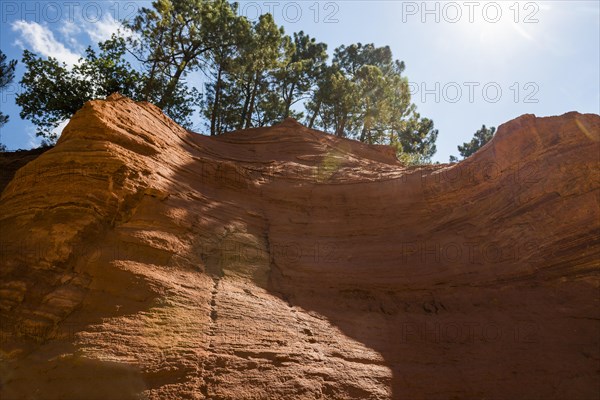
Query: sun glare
(498,26)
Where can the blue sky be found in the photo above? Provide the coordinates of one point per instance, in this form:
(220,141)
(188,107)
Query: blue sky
(469,62)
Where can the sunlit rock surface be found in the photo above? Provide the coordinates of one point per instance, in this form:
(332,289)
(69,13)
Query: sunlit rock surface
(140,260)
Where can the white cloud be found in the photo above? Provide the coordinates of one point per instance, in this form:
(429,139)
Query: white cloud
(42,41)
(102,30)
(69,28)
(33,141)
(522,32)
(69,31)
(58,130)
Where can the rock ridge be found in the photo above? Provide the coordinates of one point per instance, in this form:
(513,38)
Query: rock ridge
(142,260)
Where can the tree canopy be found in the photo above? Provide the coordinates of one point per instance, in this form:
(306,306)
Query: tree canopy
(7,74)
(53,92)
(480,138)
(257,75)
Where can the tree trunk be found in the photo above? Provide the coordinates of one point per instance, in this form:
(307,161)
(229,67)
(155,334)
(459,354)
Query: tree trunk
(252,101)
(363,134)
(288,101)
(245,108)
(314,116)
(342,126)
(168,95)
(366,124)
(149,83)
(213,117)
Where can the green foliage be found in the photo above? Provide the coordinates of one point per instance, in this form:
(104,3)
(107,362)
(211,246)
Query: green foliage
(295,79)
(257,75)
(417,136)
(333,101)
(480,138)
(221,62)
(7,74)
(169,40)
(243,95)
(53,92)
(413,159)
(364,96)
(260,54)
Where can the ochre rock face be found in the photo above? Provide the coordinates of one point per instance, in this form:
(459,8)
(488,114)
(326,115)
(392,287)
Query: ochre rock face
(140,260)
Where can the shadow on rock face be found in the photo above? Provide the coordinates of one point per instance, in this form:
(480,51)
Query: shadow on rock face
(71,378)
(284,263)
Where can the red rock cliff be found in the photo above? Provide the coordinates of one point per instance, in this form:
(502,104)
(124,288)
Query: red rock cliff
(140,260)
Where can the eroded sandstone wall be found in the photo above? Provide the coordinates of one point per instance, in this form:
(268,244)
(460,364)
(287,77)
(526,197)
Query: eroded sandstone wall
(140,260)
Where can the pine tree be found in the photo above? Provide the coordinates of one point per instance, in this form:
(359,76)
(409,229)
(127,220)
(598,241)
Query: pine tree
(7,75)
(53,92)
(480,138)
